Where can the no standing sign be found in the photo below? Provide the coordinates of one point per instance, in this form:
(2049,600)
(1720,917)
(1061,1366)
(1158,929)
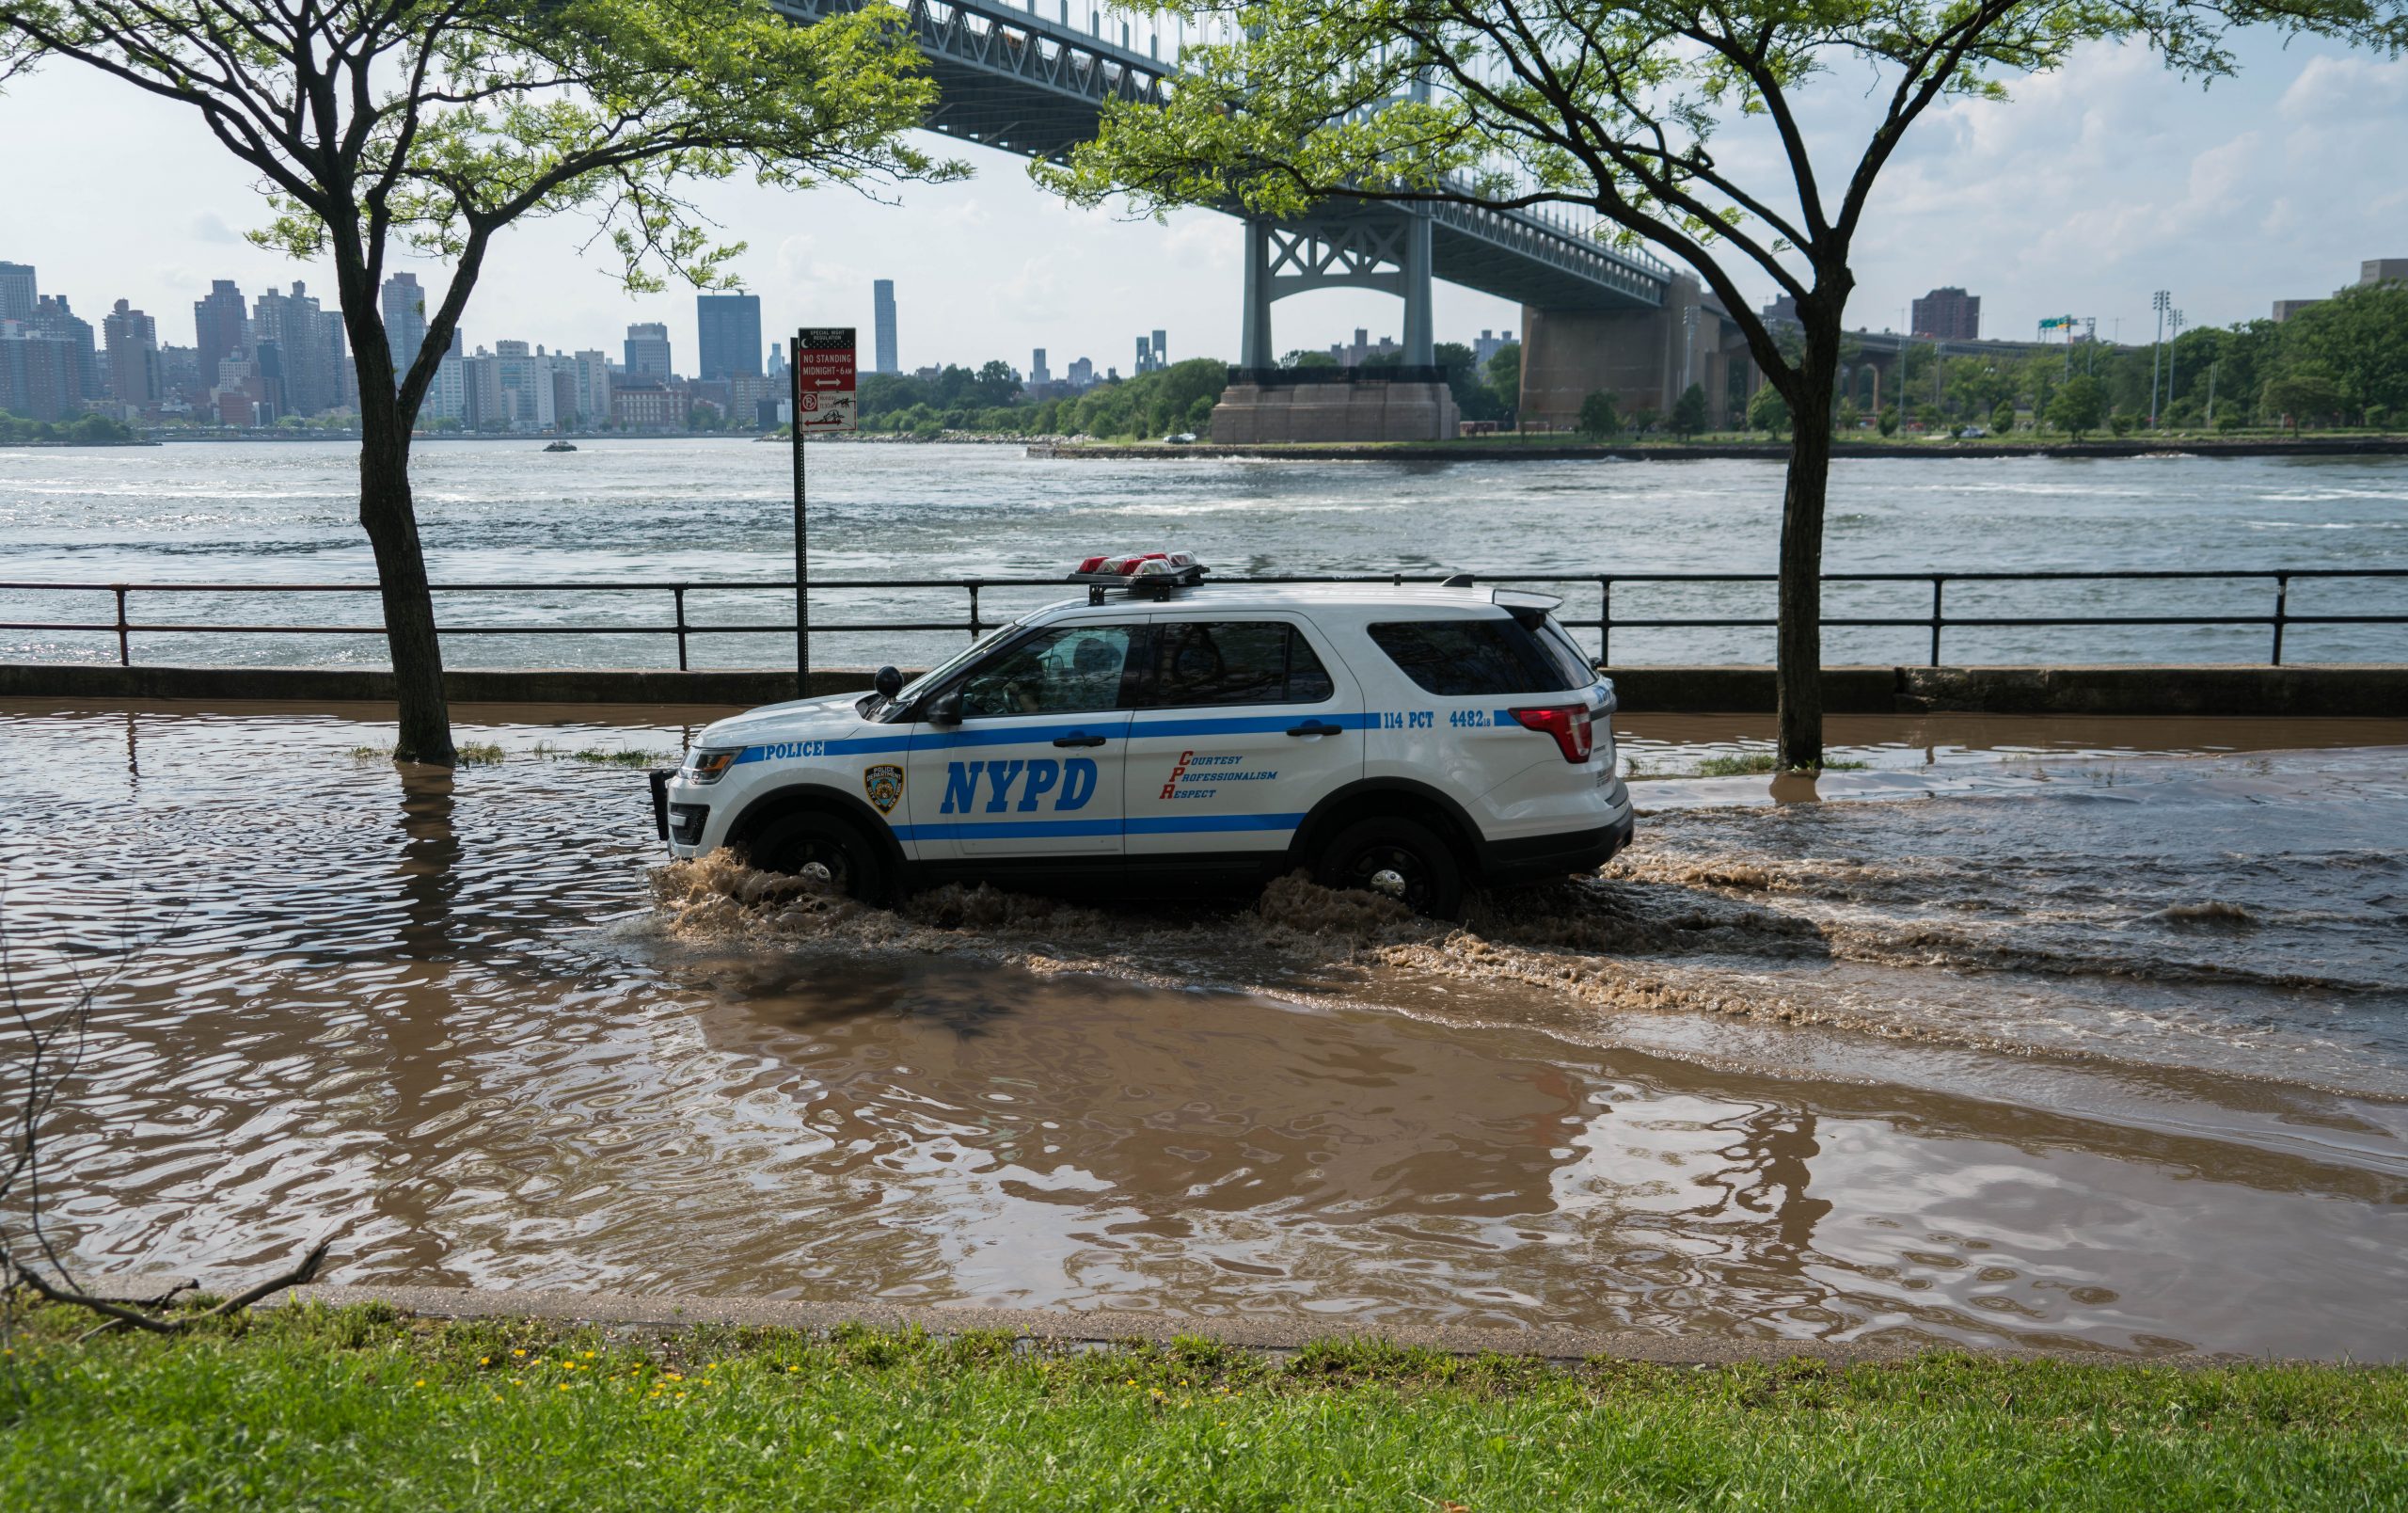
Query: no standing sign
(823,378)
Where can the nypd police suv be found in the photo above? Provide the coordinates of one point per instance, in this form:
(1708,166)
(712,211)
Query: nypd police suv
(1162,736)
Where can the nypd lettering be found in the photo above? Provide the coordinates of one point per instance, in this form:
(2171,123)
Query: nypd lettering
(1014,785)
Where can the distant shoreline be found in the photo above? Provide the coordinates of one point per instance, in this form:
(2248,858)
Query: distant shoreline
(1750,451)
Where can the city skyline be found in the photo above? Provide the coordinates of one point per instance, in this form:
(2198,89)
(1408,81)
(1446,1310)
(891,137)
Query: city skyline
(2096,187)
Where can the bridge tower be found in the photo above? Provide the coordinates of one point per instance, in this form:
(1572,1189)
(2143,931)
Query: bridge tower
(1386,248)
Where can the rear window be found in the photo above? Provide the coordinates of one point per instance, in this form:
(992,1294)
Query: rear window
(1199,662)
(1470,657)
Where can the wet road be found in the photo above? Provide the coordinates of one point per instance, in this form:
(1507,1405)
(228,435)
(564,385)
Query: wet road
(2072,1050)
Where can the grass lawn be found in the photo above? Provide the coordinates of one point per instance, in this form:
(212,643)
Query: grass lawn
(314,1407)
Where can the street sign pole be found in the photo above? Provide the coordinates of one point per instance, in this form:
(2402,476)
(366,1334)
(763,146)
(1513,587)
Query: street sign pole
(802,551)
(823,401)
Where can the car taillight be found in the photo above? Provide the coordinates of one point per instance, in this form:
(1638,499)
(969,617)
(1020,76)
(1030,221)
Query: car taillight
(1574,733)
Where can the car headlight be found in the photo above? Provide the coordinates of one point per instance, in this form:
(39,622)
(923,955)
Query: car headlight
(708,766)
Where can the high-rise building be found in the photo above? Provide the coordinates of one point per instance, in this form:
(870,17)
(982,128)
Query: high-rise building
(132,339)
(2372,271)
(647,353)
(17,291)
(1947,316)
(1037,369)
(728,332)
(51,318)
(220,330)
(404,308)
(334,349)
(1162,350)
(1489,344)
(1081,373)
(883,314)
(37,373)
(593,372)
(308,376)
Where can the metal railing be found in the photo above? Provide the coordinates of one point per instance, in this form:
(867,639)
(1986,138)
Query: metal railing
(2278,618)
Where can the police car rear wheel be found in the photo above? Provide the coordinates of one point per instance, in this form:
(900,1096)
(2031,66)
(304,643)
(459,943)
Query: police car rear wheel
(822,849)
(1398,859)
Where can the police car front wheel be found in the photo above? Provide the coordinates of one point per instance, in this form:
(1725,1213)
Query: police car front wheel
(1399,859)
(823,849)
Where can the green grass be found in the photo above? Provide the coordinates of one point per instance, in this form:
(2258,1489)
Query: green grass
(1747,764)
(472,753)
(597,758)
(313,1407)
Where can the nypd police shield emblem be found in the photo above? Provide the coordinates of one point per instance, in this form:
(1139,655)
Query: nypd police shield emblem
(884,786)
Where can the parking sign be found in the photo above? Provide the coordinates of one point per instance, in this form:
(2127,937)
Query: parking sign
(824,378)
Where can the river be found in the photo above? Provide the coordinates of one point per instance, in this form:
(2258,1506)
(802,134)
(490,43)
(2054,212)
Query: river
(661,511)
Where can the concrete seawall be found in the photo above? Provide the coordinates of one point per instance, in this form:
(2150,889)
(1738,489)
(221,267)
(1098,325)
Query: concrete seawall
(2361,690)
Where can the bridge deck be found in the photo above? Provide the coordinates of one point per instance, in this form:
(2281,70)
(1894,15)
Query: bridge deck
(1037,86)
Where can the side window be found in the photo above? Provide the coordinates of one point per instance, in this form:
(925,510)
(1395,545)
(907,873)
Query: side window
(1200,663)
(1467,658)
(1073,669)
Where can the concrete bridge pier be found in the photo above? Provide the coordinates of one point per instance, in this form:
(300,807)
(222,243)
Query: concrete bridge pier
(1382,248)
(1645,358)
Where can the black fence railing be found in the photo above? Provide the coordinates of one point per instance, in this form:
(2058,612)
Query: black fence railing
(2276,619)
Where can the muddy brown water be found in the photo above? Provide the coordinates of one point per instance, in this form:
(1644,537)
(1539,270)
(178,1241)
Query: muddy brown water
(2070,1035)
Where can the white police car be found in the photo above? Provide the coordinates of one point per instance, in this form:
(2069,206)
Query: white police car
(1160,736)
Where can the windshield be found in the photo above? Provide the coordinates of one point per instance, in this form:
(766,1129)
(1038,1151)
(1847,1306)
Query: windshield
(951,665)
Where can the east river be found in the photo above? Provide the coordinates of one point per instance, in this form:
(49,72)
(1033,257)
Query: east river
(666,511)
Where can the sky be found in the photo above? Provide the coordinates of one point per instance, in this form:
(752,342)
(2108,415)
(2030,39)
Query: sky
(2088,190)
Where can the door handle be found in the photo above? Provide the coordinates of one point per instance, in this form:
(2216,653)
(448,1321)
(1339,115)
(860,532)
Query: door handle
(1314,727)
(1079,737)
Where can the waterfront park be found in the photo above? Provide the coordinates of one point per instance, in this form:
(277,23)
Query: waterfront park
(1745,904)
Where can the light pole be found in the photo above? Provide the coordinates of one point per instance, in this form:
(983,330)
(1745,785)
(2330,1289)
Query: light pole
(2160,302)
(2173,350)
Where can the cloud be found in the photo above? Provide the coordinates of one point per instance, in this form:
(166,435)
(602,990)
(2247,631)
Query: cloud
(209,225)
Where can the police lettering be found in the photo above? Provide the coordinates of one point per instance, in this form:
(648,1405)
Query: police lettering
(1071,782)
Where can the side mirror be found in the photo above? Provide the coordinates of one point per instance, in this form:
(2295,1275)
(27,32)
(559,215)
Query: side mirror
(889,682)
(946,710)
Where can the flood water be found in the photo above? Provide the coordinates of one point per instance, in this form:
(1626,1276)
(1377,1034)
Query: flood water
(664,511)
(2042,1042)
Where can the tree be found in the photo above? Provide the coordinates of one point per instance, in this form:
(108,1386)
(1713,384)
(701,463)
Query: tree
(1505,380)
(1598,418)
(2303,391)
(1887,422)
(437,124)
(2122,422)
(1766,412)
(1846,417)
(1689,411)
(2080,405)
(2359,341)
(1620,108)
(2003,418)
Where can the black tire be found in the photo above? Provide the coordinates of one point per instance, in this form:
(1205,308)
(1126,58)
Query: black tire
(1400,858)
(821,844)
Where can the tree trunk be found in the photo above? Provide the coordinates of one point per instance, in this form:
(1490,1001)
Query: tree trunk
(391,517)
(1799,673)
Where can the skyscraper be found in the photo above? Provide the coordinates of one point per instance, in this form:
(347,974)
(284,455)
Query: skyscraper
(647,353)
(404,306)
(16,291)
(53,319)
(728,327)
(883,310)
(133,342)
(1037,369)
(219,329)
(295,322)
